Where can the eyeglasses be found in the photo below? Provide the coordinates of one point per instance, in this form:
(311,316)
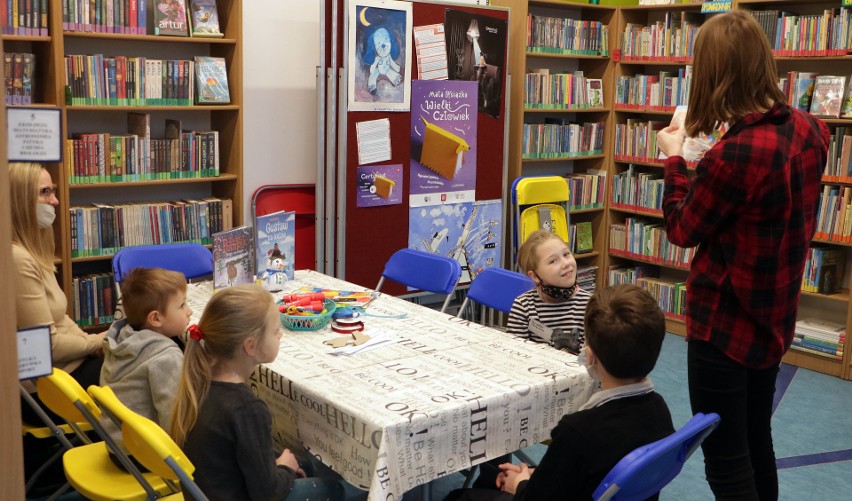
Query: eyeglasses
(47,191)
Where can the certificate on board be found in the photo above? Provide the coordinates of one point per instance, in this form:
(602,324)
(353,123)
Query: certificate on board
(34,134)
(34,356)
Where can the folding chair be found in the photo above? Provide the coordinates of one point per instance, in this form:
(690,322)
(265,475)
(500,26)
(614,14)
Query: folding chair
(645,471)
(423,271)
(150,444)
(191,259)
(89,468)
(496,288)
(539,203)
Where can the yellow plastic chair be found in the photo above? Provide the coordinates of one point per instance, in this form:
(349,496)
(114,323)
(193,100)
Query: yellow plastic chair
(89,468)
(540,203)
(150,444)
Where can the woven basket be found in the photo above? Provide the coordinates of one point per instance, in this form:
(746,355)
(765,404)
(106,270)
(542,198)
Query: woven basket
(309,322)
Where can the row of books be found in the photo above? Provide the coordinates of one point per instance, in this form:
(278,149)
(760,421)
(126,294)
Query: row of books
(138,81)
(620,274)
(824,270)
(106,16)
(663,91)
(562,90)
(24,18)
(647,240)
(102,229)
(580,238)
(819,337)
(834,219)
(636,139)
(670,296)
(673,37)
(94,297)
(586,190)
(556,35)
(637,191)
(587,278)
(557,140)
(19,71)
(826,34)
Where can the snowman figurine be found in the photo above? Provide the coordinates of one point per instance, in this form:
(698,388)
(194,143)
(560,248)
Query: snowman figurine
(274,277)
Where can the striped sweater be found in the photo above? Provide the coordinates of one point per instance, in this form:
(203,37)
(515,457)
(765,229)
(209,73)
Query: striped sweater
(566,316)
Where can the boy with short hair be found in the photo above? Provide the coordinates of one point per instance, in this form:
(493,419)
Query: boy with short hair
(142,363)
(624,330)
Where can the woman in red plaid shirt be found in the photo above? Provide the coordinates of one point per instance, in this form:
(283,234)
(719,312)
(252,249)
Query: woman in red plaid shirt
(751,210)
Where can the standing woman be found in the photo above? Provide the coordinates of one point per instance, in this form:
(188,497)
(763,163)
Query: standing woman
(751,209)
(38,298)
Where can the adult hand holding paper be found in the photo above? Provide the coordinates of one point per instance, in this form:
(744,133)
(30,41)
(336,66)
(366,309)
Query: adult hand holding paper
(670,141)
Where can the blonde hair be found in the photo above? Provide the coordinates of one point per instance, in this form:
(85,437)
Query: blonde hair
(528,253)
(24,192)
(232,316)
(144,290)
(734,72)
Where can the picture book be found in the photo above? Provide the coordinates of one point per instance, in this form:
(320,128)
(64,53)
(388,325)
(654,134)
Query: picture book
(695,147)
(233,257)
(211,76)
(276,243)
(804,90)
(846,107)
(584,237)
(204,18)
(828,93)
(343,298)
(594,92)
(170,18)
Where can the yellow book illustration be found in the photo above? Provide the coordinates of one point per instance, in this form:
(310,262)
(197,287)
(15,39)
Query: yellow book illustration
(384,186)
(443,151)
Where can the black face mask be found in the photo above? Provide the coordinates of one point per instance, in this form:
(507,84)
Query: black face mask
(560,293)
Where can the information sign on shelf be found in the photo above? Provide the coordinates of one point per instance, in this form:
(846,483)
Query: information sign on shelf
(34,134)
(34,355)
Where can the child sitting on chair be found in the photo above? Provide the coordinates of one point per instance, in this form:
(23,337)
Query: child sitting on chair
(142,361)
(224,429)
(624,334)
(553,311)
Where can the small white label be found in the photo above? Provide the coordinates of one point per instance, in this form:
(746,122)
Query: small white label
(538,329)
(34,355)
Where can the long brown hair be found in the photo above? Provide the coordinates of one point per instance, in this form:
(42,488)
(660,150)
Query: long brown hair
(734,72)
(24,192)
(230,317)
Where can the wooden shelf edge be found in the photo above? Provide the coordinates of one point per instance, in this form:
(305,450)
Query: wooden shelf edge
(148,38)
(130,184)
(816,363)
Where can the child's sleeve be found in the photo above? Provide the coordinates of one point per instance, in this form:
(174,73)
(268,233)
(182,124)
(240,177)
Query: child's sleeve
(164,373)
(556,476)
(264,479)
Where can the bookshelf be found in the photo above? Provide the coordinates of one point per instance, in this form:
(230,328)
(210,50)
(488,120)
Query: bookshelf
(50,50)
(526,111)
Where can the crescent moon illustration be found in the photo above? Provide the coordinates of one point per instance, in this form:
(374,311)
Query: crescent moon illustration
(363,16)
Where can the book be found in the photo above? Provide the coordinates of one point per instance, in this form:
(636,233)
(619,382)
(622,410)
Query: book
(594,92)
(276,243)
(695,147)
(170,18)
(233,257)
(828,93)
(584,237)
(204,18)
(846,107)
(211,76)
(804,91)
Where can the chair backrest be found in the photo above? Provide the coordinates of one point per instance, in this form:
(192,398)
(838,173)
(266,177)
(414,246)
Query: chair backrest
(149,443)
(191,259)
(647,469)
(497,288)
(535,200)
(423,271)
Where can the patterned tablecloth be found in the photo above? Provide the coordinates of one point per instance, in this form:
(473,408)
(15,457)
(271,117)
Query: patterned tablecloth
(447,394)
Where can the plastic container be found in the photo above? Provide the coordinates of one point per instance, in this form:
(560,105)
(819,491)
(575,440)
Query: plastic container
(308,322)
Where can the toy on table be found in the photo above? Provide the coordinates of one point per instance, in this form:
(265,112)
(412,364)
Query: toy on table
(274,277)
(346,321)
(305,313)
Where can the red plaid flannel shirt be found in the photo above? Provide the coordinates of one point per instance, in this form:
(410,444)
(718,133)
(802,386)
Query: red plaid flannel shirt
(751,208)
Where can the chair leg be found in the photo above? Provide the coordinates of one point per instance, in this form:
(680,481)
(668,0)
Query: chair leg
(426,491)
(523,457)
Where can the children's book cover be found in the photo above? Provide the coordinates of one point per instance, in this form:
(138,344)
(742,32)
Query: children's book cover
(828,93)
(170,18)
(594,92)
(211,77)
(584,237)
(443,142)
(204,18)
(233,257)
(846,109)
(804,90)
(276,244)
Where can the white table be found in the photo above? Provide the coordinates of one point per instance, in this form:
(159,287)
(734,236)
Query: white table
(448,394)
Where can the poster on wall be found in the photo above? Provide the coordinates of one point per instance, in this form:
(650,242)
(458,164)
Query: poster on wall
(379,55)
(443,142)
(469,232)
(379,185)
(476,51)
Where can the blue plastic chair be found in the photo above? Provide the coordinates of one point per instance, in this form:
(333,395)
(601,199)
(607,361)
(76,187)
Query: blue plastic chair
(191,259)
(646,470)
(423,271)
(497,288)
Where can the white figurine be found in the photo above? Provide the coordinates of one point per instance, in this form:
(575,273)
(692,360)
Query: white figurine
(274,277)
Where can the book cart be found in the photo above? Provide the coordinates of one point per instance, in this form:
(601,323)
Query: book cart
(165,205)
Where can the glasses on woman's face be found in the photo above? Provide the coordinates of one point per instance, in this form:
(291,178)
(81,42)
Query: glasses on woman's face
(47,192)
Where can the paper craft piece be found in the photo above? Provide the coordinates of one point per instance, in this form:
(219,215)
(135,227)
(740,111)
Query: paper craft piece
(431,48)
(443,151)
(373,141)
(355,339)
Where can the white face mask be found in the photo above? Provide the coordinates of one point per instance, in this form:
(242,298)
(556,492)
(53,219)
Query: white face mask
(583,360)
(46,215)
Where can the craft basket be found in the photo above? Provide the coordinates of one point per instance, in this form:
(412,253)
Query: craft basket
(309,322)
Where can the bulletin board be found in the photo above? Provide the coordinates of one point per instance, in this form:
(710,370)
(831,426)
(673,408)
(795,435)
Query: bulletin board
(372,234)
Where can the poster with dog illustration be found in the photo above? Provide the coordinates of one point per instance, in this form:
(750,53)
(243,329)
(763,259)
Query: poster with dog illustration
(379,55)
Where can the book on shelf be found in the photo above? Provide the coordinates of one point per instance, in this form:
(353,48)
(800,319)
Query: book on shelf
(846,107)
(170,18)
(233,257)
(204,18)
(211,76)
(584,237)
(828,94)
(276,243)
(803,91)
(594,92)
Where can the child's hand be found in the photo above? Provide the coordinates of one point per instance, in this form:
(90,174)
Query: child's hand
(511,475)
(289,460)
